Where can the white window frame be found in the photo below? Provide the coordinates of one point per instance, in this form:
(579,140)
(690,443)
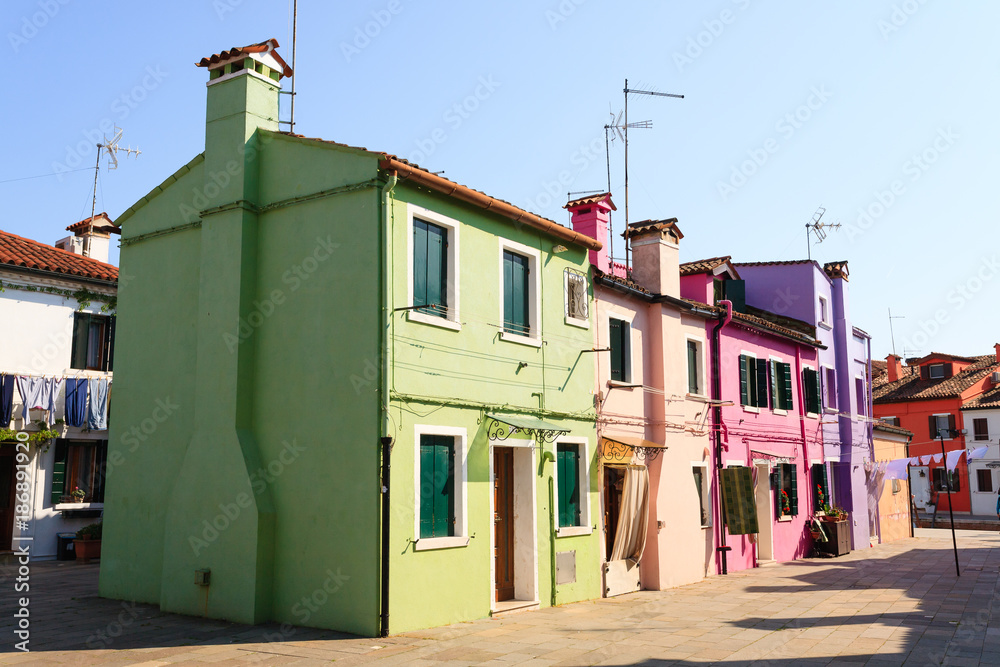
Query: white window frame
(461,537)
(534,339)
(774,399)
(802,381)
(824,389)
(623,317)
(575,321)
(753,355)
(992,491)
(701,366)
(930,371)
(824,311)
(938,429)
(452,320)
(706,488)
(584,480)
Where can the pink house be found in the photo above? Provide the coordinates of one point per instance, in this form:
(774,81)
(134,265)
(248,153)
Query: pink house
(765,375)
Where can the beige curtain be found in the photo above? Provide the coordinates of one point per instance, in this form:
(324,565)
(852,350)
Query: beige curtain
(630,540)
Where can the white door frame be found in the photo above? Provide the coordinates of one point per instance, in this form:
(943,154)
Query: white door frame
(765,526)
(525,522)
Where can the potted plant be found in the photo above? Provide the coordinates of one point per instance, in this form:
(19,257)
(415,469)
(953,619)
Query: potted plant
(78,494)
(786,506)
(88,543)
(816,530)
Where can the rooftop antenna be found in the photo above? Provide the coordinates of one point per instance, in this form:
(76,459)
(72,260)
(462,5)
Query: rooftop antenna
(611,129)
(625,139)
(817,228)
(892,336)
(110,148)
(295,22)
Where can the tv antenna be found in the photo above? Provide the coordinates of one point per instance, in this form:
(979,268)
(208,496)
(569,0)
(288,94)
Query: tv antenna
(616,127)
(625,127)
(892,336)
(295,22)
(817,228)
(110,148)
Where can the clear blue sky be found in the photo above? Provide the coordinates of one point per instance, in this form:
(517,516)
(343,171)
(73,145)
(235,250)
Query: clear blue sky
(903,96)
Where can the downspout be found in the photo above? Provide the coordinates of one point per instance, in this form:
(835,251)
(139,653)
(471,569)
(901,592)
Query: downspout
(385,440)
(801,403)
(722,549)
(552,540)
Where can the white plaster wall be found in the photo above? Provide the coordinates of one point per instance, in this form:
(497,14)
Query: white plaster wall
(983,502)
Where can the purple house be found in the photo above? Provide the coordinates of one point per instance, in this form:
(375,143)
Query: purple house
(819,295)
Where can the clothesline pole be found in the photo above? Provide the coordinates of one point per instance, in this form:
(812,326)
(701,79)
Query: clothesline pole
(951,513)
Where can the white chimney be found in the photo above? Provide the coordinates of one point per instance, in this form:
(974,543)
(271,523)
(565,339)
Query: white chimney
(91,237)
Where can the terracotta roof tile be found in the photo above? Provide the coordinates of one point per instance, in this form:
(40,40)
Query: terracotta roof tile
(237,51)
(786,262)
(592,199)
(880,425)
(102,223)
(703,265)
(669,225)
(911,387)
(759,322)
(989,399)
(24,253)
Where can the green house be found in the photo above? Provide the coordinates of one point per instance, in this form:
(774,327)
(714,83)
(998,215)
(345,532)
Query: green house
(385,384)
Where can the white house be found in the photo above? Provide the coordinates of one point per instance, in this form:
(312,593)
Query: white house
(57,308)
(981,417)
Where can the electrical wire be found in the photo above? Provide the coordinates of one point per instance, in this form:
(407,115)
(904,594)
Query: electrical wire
(54,173)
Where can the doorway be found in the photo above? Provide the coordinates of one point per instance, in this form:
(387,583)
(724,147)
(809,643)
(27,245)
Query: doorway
(503,522)
(6,498)
(765,512)
(920,486)
(614,480)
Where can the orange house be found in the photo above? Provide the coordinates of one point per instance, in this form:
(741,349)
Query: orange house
(926,397)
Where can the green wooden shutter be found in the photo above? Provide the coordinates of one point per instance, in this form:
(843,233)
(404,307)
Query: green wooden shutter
(100,468)
(780,469)
(615,343)
(437,270)
(817,396)
(515,269)
(109,351)
(426,486)
(444,494)
(793,493)
(786,380)
(776,401)
(569,485)
(744,380)
(419,263)
(626,330)
(59,472)
(762,401)
(81,332)
(692,350)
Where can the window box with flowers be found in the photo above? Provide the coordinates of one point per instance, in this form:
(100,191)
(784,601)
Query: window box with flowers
(787,487)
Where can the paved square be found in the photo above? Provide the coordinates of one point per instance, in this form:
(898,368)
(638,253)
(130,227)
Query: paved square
(896,604)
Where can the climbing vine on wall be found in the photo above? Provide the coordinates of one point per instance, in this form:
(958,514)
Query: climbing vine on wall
(84,297)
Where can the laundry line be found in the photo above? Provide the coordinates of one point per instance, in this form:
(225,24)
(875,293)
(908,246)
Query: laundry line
(897,468)
(85,398)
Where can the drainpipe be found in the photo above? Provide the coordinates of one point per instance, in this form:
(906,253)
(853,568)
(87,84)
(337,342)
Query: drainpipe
(386,439)
(552,540)
(722,549)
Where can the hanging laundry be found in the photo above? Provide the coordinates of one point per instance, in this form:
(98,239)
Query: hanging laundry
(76,401)
(925,459)
(977,453)
(6,400)
(896,469)
(98,402)
(38,394)
(739,501)
(936,458)
(915,461)
(953,457)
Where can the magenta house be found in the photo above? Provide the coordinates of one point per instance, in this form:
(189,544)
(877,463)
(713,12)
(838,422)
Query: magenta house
(767,416)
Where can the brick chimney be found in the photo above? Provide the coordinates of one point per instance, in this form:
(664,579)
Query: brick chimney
(996,352)
(591,216)
(894,367)
(655,255)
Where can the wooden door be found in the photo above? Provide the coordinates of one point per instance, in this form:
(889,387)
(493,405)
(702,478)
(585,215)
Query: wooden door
(503,521)
(614,480)
(6,497)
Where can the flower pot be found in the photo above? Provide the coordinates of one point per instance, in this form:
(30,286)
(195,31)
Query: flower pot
(86,549)
(816,534)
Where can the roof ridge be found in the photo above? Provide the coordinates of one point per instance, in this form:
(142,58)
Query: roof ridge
(52,248)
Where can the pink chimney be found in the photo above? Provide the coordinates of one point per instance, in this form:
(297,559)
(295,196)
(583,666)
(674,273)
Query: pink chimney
(591,216)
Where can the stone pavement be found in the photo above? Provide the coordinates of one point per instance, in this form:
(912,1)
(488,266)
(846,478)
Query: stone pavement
(895,604)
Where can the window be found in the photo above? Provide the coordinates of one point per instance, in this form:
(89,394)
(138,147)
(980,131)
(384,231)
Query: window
(824,311)
(781,385)
(940,484)
(430,268)
(941,425)
(896,486)
(980,429)
(984,481)
(821,487)
(830,388)
(568,476)
(936,371)
(788,494)
(810,385)
(753,382)
(620,342)
(861,396)
(519,287)
(437,486)
(694,368)
(440,479)
(79,464)
(433,262)
(577,299)
(93,342)
(700,473)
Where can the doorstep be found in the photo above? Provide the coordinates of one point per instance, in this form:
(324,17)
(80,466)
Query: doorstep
(509,607)
(767,563)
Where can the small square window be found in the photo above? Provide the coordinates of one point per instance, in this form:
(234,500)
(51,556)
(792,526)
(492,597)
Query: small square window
(577,299)
(984,480)
(936,371)
(824,310)
(700,473)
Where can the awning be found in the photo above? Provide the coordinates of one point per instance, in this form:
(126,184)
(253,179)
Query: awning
(502,427)
(622,447)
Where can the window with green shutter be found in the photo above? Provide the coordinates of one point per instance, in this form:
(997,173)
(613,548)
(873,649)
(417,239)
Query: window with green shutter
(430,268)
(810,386)
(437,486)
(762,393)
(781,385)
(58,489)
(693,367)
(620,335)
(753,382)
(568,475)
(515,294)
(788,490)
(821,488)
